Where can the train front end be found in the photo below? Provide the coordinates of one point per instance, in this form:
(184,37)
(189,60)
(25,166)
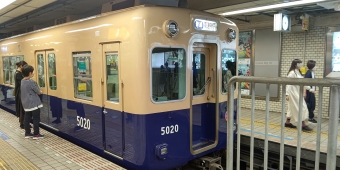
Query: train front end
(190,57)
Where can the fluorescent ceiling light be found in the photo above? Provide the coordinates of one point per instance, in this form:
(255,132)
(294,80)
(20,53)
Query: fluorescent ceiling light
(262,8)
(4,3)
(90,28)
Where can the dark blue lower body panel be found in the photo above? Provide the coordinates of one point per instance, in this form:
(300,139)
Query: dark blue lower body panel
(137,139)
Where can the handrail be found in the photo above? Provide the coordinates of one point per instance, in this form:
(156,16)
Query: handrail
(325,82)
(333,83)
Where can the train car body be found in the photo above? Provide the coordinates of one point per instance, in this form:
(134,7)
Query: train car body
(106,85)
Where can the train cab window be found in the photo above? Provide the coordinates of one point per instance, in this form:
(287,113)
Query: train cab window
(9,68)
(168,74)
(228,68)
(112,79)
(198,70)
(52,72)
(41,70)
(82,75)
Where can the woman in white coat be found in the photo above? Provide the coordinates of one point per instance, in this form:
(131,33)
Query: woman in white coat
(292,96)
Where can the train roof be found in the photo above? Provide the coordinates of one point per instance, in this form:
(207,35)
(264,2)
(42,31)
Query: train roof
(103,15)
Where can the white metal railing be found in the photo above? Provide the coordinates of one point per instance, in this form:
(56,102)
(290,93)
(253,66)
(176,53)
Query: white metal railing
(334,85)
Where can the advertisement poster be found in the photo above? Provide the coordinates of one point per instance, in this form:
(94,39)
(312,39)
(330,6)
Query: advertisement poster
(244,70)
(336,52)
(244,48)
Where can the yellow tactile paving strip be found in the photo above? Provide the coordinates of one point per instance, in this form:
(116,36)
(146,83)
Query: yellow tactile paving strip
(12,159)
(3,165)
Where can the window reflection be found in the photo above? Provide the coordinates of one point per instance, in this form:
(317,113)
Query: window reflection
(168,74)
(228,68)
(52,72)
(41,70)
(82,75)
(112,84)
(6,68)
(9,68)
(198,69)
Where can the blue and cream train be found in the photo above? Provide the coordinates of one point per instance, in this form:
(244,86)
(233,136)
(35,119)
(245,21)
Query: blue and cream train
(143,86)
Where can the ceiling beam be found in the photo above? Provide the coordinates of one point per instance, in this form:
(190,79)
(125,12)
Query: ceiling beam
(211,4)
(238,19)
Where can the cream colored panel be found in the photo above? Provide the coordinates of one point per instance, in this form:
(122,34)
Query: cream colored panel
(137,38)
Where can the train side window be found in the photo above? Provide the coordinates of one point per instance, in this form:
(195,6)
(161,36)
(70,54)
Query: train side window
(52,71)
(6,69)
(198,69)
(9,68)
(228,68)
(41,70)
(82,75)
(168,74)
(13,67)
(112,73)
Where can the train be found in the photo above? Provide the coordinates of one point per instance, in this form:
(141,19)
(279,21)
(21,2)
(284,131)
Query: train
(144,86)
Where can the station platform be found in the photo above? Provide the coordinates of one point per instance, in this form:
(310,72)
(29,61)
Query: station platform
(52,152)
(308,139)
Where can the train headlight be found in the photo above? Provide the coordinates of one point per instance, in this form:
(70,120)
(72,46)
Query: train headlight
(231,34)
(162,151)
(170,28)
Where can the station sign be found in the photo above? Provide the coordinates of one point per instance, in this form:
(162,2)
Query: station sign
(205,25)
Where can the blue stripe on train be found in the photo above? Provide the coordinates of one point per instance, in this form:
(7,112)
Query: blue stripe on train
(106,131)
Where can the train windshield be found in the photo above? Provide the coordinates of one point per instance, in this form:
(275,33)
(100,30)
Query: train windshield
(168,74)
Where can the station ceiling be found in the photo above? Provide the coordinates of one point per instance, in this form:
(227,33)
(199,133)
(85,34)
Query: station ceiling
(26,15)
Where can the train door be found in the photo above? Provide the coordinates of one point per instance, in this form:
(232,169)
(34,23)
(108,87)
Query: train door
(112,100)
(45,71)
(204,103)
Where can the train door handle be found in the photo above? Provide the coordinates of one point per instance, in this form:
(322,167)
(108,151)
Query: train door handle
(104,111)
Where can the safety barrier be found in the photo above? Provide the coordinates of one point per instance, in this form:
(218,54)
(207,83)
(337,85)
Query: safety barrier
(334,85)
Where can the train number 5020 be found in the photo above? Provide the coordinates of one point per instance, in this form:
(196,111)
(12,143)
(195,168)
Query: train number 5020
(83,122)
(169,129)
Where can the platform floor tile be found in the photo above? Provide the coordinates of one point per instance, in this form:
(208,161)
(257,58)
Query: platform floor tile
(16,152)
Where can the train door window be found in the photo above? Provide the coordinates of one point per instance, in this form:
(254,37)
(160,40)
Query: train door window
(198,70)
(82,75)
(228,67)
(41,70)
(52,72)
(6,69)
(168,74)
(112,83)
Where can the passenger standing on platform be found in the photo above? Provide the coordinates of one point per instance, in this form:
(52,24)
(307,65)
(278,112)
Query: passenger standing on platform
(31,102)
(20,112)
(310,97)
(292,96)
